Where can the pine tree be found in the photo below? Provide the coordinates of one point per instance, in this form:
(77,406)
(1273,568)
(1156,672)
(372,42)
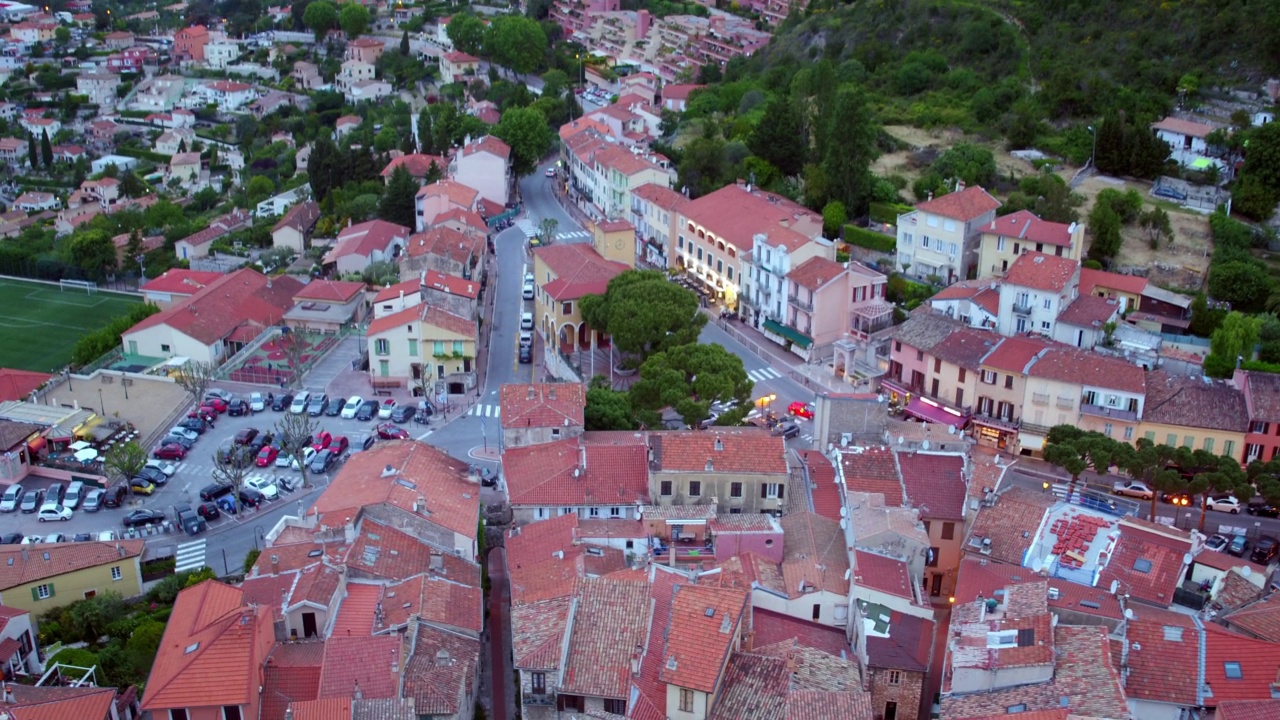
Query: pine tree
(46,148)
(404,44)
(33,155)
(397,203)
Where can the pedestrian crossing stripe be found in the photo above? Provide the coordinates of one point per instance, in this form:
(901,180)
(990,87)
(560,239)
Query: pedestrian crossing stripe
(189,556)
(485,410)
(572,235)
(763,374)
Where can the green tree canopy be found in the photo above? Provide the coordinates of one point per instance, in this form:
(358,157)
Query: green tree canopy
(607,409)
(93,252)
(779,137)
(467,33)
(398,201)
(320,17)
(689,378)
(644,312)
(849,149)
(971,163)
(517,43)
(1244,284)
(1235,338)
(1076,450)
(528,134)
(1104,225)
(354,19)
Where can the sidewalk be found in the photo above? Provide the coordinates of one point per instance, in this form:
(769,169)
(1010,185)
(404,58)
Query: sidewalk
(810,376)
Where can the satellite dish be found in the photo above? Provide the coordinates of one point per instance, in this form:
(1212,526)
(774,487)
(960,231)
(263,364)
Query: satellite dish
(844,512)
(1115,585)
(901,440)
(951,429)
(1128,613)
(848,573)
(1037,566)
(1246,571)
(1187,558)
(844,524)
(924,445)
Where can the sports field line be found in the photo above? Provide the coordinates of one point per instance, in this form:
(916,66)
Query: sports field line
(60,298)
(24,324)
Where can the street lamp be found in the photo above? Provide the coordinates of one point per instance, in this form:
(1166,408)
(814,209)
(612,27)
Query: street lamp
(1093,155)
(101,404)
(66,373)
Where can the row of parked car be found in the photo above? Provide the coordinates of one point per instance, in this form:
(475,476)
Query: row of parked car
(1220,503)
(1264,550)
(59,501)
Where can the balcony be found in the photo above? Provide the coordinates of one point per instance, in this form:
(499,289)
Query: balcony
(806,305)
(1022,307)
(1109,412)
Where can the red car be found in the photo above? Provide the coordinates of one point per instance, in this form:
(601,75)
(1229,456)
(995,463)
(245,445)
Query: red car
(800,409)
(216,403)
(205,413)
(267,456)
(172,451)
(323,441)
(389,431)
(340,445)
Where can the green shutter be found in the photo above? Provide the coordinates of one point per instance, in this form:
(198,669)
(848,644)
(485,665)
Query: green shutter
(51,592)
(35,595)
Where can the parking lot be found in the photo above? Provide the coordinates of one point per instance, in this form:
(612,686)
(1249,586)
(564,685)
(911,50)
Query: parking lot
(194,472)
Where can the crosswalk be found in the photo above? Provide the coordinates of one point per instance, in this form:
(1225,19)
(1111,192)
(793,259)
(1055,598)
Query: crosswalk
(578,235)
(485,410)
(190,556)
(527,227)
(530,229)
(763,374)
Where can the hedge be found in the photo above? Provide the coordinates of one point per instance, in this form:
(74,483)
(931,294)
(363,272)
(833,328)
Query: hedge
(887,213)
(869,239)
(144,155)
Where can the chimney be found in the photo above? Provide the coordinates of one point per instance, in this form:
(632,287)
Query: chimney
(959,185)
(437,561)
(582,456)
(551,393)
(8,695)
(636,656)
(275,564)
(930,196)
(533,392)
(288,713)
(356,694)
(395,661)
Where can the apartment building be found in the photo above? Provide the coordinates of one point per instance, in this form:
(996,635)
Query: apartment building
(1196,413)
(828,301)
(1071,386)
(767,292)
(603,173)
(1002,378)
(654,213)
(1262,403)
(939,238)
(1036,288)
(1007,237)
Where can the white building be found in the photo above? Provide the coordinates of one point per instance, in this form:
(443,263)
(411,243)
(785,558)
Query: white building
(939,239)
(1187,140)
(1035,290)
(485,165)
(218,55)
(229,95)
(100,88)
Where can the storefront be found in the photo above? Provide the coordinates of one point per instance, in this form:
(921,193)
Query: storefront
(994,433)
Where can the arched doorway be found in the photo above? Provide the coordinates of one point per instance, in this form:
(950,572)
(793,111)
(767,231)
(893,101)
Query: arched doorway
(568,337)
(584,337)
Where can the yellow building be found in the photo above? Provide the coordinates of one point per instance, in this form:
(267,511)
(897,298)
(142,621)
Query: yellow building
(41,577)
(422,345)
(564,274)
(615,240)
(1005,238)
(1188,412)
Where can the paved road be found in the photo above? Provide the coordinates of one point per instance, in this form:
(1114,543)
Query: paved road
(503,695)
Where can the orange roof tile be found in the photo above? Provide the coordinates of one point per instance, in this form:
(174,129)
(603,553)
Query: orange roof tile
(330,290)
(392,292)
(736,215)
(1011,524)
(1024,225)
(356,610)
(441,673)
(964,205)
(366,238)
(579,270)
(572,472)
(609,623)
(1041,272)
(59,703)
(542,405)
(336,708)
(661,196)
(1074,365)
(815,556)
(1091,280)
(447,243)
(874,470)
(815,272)
(360,661)
(292,674)
(1147,564)
(1014,354)
(725,450)
(827,497)
(1247,710)
(451,284)
(244,296)
(19,384)
(417,165)
(700,635)
(180,281)
(1261,619)
(20,565)
(301,217)
(463,196)
(537,633)
(886,574)
(935,484)
(1226,653)
(437,599)
(1190,128)
(488,144)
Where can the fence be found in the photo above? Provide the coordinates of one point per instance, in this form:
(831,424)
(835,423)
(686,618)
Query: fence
(506,215)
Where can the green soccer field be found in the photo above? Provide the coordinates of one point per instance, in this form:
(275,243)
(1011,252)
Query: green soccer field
(40,323)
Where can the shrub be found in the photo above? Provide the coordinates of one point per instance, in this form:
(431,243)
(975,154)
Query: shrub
(887,213)
(869,239)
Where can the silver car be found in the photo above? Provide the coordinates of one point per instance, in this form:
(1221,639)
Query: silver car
(12,496)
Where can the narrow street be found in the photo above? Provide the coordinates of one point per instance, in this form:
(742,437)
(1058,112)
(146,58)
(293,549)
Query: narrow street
(503,698)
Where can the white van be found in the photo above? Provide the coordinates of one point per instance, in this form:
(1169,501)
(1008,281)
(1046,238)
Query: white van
(300,401)
(75,491)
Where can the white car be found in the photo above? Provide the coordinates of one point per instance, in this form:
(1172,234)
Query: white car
(191,435)
(352,407)
(1226,504)
(300,401)
(526,338)
(526,321)
(53,511)
(290,462)
(527,292)
(385,408)
(1217,543)
(263,485)
(164,466)
(1133,488)
(257,402)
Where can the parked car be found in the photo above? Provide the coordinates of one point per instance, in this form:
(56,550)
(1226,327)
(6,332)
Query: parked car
(367,410)
(237,408)
(107,536)
(526,338)
(217,404)
(388,431)
(10,538)
(317,405)
(1226,504)
(526,321)
(55,493)
(266,456)
(255,445)
(31,501)
(141,486)
(246,436)
(164,466)
(1217,543)
(403,414)
(154,476)
(340,445)
(323,440)
(195,425)
(203,413)
(1265,550)
(215,491)
(142,518)
(307,454)
(800,409)
(526,354)
(93,500)
(114,495)
(1132,488)
(1180,499)
(385,408)
(12,497)
(82,537)
(368,442)
(52,538)
(186,442)
(526,292)
(282,402)
(351,407)
(219,394)
(171,451)
(264,486)
(74,494)
(53,512)
(300,402)
(786,429)
(321,462)
(251,497)
(1258,507)
(1239,544)
(208,511)
(257,402)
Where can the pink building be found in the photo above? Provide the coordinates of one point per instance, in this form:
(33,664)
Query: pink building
(188,43)
(575,15)
(827,300)
(757,533)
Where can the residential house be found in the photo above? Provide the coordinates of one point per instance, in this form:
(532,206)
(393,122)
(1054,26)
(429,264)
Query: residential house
(367,91)
(443,249)
(765,287)
(1195,412)
(41,126)
(352,72)
(13,152)
(420,347)
(615,240)
(675,97)
(118,40)
(189,43)
(593,476)
(217,320)
(178,140)
(229,95)
(157,94)
(815,572)
(99,87)
(277,204)
(1143,304)
(1188,142)
(33,201)
(939,238)
(418,165)
(564,274)
(458,66)
(1036,289)
(18,651)
(307,76)
(185,168)
(604,172)
(294,229)
(30,32)
(557,408)
(218,55)
(1262,403)
(1001,389)
(176,284)
(440,197)
(943,390)
(199,244)
(344,125)
(397,297)
(1070,386)
(132,59)
(654,213)
(607,622)
(327,305)
(359,246)
(975,303)
(485,165)
(106,192)
(456,295)
(1008,236)
(735,469)
(827,301)
(365,49)
(703,631)
(41,578)
(68,153)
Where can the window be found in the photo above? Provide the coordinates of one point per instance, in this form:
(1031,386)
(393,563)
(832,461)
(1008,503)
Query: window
(1229,448)
(1188,441)
(177,714)
(382,346)
(937,365)
(817,612)
(593,512)
(895,677)
(695,488)
(538,681)
(960,375)
(919,356)
(989,377)
(115,573)
(1048,304)
(1106,429)
(665,488)
(617,707)
(1233,671)
(1044,325)
(413,348)
(1008,382)
(735,489)
(42,592)
(771,490)
(960,397)
(1208,444)
(906,238)
(1128,433)
(729,273)
(932,559)
(457,347)
(1171,440)
(897,346)
(698,253)
(948,531)
(566,308)
(615,512)
(231,712)
(999,244)
(928,526)
(164,348)
(686,700)
(680,242)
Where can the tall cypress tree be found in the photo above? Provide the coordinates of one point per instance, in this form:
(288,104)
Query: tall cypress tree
(46,149)
(397,203)
(33,156)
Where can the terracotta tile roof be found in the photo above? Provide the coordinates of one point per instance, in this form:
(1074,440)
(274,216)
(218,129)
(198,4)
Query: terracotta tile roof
(59,703)
(355,611)
(451,499)
(1024,225)
(451,284)
(211,652)
(786,682)
(180,281)
(19,384)
(753,686)
(934,483)
(392,292)
(609,622)
(814,557)
(1090,311)
(292,674)
(874,470)
(1194,402)
(269,590)
(747,570)
(441,600)
(301,217)
(1257,661)
(990,580)
(578,269)
(542,405)
(1025,610)
(366,661)
(1060,714)
(622,160)
(821,704)
(1163,659)
(700,634)
(242,297)
(537,633)
(1091,280)
(330,290)
(908,646)
(679,92)
(554,474)
(1238,589)
(441,673)
(722,450)
(1189,128)
(1041,272)
(871,516)
(1261,394)
(614,528)
(966,289)
(924,329)
(773,627)
(1147,564)
(364,239)
(460,57)
(1073,365)
(418,165)
(1247,710)
(1260,619)
(457,194)
(736,215)
(1014,354)
(24,564)
(885,574)
(446,242)
(964,205)
(815,272)
(540,560)
(827,496)
(659,195)
(336,708)
(347,120)
(576,127)
(814,669)
(652,691)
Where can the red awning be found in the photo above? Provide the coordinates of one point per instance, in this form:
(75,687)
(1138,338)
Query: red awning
(932,413)
(37,445)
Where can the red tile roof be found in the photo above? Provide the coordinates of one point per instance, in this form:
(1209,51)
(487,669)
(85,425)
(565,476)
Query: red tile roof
(814,557)
(659,195)
(242,297)
(20,565)
(736,215)
(337,708)
(458,195)
(59,703)
(542,405)
(434,598)
(885,574)
(1091,280)
(1247,710)
(1025,609)
(1194,402)
(773,627)
(828,498)
(356,610)
(609,623)
(180,282)
(330,290)
(301,217)
(367,237)
(815,272)
(451,284)
(700,635)
(553,474)
(678,92)
(989,581)
(964,205)
(364,661)
(1147,564)
(935,484)
(874,470)
(418,165)
(429,315)
(488,144)
(985,293)
(1073,365)
(441,674)
(1261,619)
(1163,659)
(909,645)
(19,384)
(1041,272)
(1261,394)
(392,292)
(1014,354)
(292,674)
(1090,311)
(537,633)
(1024,225)
(446,242)
(578,269)
(723,450)
(651,702)
(1179,126)
(1257,661)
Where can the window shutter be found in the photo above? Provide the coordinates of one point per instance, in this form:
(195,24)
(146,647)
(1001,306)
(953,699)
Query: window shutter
(781,490)
(51,592)
(764,490)
(35,595)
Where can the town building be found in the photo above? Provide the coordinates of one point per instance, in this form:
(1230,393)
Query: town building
(563,275)
(541,413)
(736,469)
(48,576)
(359,246)
(1009,236)
(485,165)
(423,348)
(176,284)
(294,229)
(939,238)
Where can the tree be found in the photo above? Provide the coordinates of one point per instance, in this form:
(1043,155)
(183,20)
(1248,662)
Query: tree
(547,228)
(1076,450)
(554,83)
(90,617)
(231,466)
(467,33)
(1244,284)
(397,204)
(607,409)
(33,154)
(1234,339)
(93,252)
(526,131)
(971,163)
(1104,225)
(259,188)
(780,138)
(1151,464)
(296,431)
(294,346)
(834,216)
(703,167)
(517,42)
(144,643)
(62,36)
(126,460)
(689,378)
(195,377)
(46,148)
(644,313)
(1211,475)
(404,43)
(1156,222)
(354,19)
(850,148)
(320,17)
(132,186)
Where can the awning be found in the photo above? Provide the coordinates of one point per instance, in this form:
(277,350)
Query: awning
(933,413)
(795,336)
(37,445)
(1031,442)
(994,423)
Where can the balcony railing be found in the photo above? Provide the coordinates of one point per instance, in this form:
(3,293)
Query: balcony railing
(1109,412)
(806,305)
(1022,307)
